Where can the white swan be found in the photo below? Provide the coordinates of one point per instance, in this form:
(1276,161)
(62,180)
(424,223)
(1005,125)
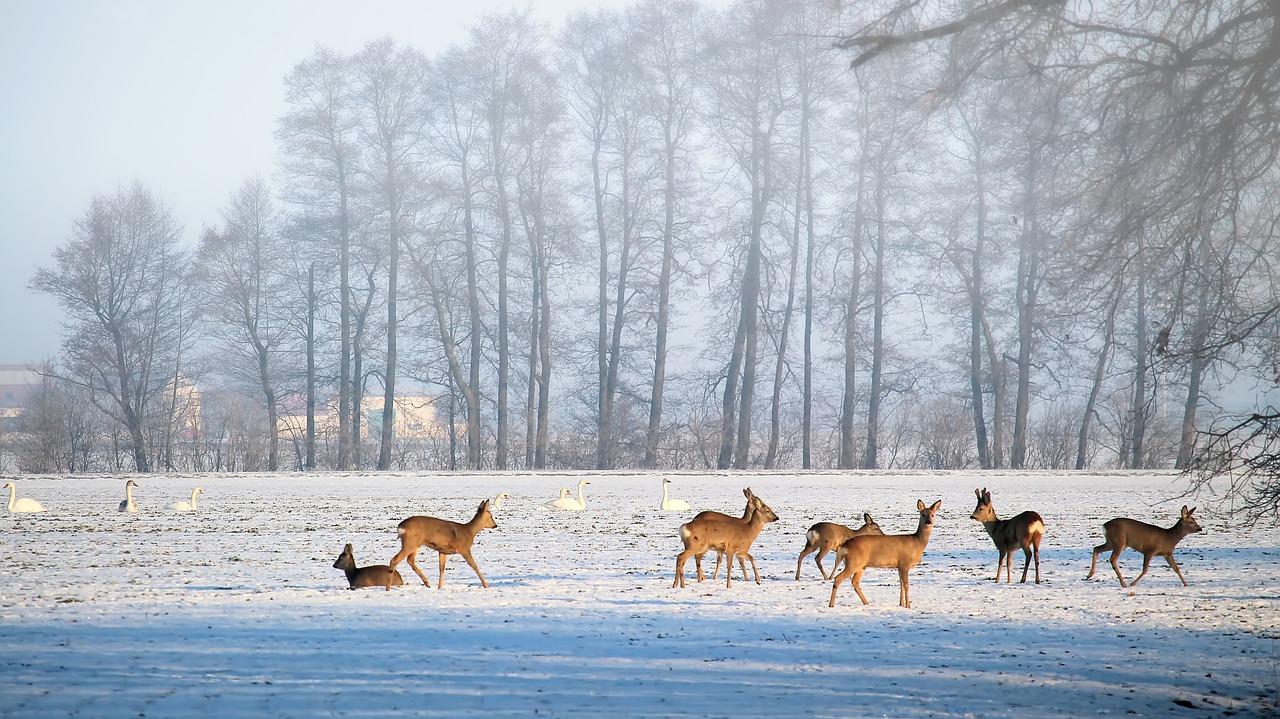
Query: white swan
(671,505)
(570,504)
(24,504)
(187,506)
(127,504)
(497,501)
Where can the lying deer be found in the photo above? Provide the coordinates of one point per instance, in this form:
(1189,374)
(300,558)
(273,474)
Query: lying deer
(900,551)
(374,575)
(825,537)
(443,536)
(1024,530)
(731,536)
(1149,539)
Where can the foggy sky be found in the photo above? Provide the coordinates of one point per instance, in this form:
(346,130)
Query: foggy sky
(182,96)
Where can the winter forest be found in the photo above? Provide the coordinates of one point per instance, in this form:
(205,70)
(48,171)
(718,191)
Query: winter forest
(778,234)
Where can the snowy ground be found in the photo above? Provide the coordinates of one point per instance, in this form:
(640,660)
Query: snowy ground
(236,610)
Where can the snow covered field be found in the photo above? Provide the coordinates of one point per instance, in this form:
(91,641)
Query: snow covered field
(236,610)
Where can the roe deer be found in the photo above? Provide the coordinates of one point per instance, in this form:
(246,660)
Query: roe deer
(374,575)
(825,537)
(731,536)
(443,536)
(900,551)
(1024,530)
(1149,539)
(711,514)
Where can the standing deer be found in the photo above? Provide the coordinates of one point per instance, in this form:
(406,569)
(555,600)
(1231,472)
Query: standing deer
(731,536)
(825,537)
(374,575)
(900,551)
(1024,530)
(712,514)
(1149,539)
(443,536)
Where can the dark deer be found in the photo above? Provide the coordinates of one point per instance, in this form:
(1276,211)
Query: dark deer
(374,575)
(1024,530)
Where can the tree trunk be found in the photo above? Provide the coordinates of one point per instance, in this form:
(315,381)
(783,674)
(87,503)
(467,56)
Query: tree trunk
(604,406)
(750,306)
(664,299)
(779,367)
(977,311)
(393,323)
(849,400)
(869,460)
(1099,374)
(310,462)
(1138,410)
(1027,291)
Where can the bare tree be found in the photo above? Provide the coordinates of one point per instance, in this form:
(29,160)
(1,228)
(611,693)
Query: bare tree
(238,275)
(320,162)
(119,280)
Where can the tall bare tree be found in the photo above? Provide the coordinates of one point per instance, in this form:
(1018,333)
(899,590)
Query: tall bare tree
(119,279)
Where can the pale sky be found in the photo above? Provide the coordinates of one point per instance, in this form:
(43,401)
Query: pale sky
(182,96)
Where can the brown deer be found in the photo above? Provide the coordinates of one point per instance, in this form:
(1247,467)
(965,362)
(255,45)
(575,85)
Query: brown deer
(374,575)
(1025,530)
(731,536)
(900,551)
(825,537)
(443,536)
(1149,539)
(711,514)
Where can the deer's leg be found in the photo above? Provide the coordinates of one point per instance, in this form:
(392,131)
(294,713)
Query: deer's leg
(697,560)
(856,581)
(1174,565)
(804,553)
(400,555)
(848,570)
(1035,546)
(413,562)
(681,558)
(1093,566)
(904,588)
(728,575)
(474,567)
(1115,564)
(1146,563)
(822,552)
(444,559)
(744,566)
(1026,556)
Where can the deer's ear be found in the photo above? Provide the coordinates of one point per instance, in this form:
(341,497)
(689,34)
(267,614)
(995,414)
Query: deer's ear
(919,505)
(936,506)
(978,492)
(866,517)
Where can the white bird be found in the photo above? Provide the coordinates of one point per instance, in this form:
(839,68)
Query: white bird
(24,504)
(570,504)
(187,506)
(497,501)
(127,504)
(671,505)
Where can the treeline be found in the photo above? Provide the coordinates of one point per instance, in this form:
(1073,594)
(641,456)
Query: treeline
(686,238)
